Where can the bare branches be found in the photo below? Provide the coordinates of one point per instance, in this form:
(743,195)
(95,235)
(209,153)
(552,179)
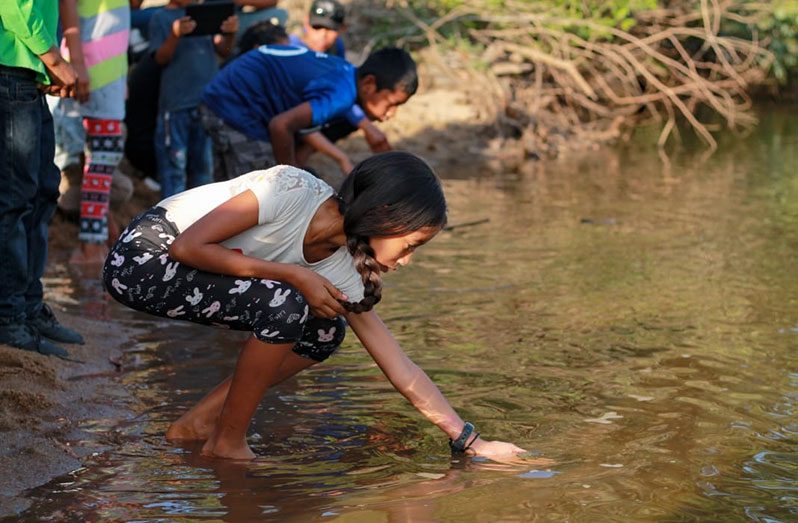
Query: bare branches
(674,65)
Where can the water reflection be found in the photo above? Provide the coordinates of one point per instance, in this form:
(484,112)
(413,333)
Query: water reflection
(636,324)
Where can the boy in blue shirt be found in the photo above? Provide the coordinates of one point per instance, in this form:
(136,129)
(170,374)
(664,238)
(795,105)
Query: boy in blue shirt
(321,31)
(256,105)
(182,148)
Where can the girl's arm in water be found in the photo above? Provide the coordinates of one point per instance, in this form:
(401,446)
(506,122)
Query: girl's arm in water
(415,385)
(199,246)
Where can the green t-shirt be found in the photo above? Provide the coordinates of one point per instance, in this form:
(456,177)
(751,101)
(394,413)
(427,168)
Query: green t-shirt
(27,30)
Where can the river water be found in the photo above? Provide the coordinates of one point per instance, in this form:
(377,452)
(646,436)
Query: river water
(632,320)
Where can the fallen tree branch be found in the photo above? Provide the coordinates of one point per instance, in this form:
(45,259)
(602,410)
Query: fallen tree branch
(546,71)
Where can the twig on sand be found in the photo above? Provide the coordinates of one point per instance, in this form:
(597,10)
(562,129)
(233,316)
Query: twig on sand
(465,224)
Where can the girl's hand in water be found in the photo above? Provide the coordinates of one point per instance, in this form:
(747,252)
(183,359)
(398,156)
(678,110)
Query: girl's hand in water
(322,296)
(495,450)
(506,454)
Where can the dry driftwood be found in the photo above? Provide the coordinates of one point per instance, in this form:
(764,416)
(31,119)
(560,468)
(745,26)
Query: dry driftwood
(670,67)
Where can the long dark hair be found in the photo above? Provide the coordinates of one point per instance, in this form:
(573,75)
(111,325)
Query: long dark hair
(386,195)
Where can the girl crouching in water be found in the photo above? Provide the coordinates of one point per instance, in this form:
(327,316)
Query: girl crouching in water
(278,253)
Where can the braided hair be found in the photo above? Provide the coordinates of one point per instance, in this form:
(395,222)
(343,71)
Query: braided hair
(388,194)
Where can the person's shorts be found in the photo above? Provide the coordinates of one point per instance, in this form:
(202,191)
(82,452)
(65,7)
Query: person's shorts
(234,153)
(337,129)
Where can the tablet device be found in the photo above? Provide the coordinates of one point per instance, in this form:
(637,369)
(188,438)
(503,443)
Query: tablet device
(209,16)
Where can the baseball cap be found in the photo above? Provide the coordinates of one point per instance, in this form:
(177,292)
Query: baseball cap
(326,13)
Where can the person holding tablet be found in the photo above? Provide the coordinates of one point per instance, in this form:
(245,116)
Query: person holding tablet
(182,147)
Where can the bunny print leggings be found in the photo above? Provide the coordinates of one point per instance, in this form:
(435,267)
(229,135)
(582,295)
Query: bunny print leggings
(140,274)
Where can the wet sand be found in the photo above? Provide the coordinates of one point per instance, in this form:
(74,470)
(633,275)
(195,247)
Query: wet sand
(48,407)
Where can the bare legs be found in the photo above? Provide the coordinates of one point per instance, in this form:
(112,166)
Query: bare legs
(198,422)
(223,415)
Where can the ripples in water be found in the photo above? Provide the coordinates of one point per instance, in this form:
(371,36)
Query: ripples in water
(637,327)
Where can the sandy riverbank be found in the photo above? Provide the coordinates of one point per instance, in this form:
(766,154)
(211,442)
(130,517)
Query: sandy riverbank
(50,408)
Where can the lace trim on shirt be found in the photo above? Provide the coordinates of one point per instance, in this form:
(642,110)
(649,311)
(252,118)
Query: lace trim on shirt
(286,178)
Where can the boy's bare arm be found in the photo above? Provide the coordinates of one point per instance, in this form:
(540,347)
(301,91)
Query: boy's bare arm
(282,129)
(378,142)
(62,74)
(320,142)
(70,22)
(181,26)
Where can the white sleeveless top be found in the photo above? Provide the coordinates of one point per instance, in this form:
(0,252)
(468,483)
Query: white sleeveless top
(288,198)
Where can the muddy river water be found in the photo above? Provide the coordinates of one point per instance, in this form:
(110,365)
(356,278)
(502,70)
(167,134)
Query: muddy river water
(634,321)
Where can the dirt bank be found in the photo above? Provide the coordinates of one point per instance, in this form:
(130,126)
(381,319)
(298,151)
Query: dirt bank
(50,410)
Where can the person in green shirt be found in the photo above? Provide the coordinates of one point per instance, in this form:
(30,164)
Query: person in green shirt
(30,66)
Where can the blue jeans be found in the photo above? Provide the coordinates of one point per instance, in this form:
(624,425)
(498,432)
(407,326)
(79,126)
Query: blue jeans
(70,136)
(183,151)
(29,181)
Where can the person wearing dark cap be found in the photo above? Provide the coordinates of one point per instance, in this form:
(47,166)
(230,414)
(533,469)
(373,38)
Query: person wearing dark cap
(322,28)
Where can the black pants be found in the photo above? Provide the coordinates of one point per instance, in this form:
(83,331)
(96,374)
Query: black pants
(140,274)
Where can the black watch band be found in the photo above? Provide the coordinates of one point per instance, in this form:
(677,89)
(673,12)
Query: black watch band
(459,444)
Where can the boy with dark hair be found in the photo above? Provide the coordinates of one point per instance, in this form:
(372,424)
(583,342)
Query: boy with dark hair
(266,33)
(261,33)
(256,105)
(322,28)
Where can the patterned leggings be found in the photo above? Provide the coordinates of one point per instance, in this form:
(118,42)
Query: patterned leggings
(104,152)
(140,274)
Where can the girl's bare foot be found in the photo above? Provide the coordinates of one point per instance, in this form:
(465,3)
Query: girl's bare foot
(218,448)
(189,430)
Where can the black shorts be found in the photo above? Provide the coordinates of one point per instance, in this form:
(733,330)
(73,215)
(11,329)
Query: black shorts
(140,273)
(337,128)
